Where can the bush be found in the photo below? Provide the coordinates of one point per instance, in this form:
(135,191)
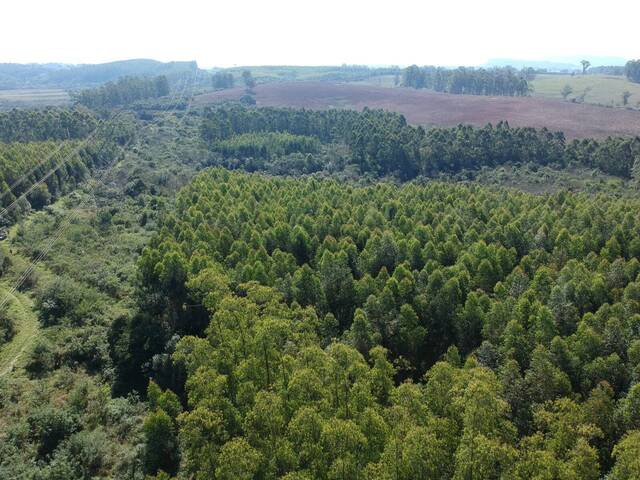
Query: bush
(41,360)
(123,416)
(84,453)
(63,299)
(48,427)
(86,346)
(247,100)
(161,448)
(135,187)
(5,261)
(7,328)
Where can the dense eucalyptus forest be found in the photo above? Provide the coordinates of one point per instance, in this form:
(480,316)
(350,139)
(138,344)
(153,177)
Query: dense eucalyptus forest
(252,292)
(416,331)
(48,152)
(471,81)
(381,143)
(122,92)
(21,125)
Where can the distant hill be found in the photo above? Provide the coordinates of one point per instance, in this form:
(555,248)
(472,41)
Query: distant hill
(321,73)
(558,64)
(55,75)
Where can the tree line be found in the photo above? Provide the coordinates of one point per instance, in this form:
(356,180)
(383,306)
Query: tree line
(266,145)
(618,70)
(222,80)
(23,125)
(299,328)
(471,81)
(55,166)
(382,143)
(21,165)
(632,70)
(124,91)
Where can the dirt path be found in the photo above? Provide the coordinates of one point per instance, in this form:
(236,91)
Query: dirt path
(27,328)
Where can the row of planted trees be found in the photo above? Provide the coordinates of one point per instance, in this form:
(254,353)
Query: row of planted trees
(48,152)
(471,81)
(382,143)
(124,91)
(22,125)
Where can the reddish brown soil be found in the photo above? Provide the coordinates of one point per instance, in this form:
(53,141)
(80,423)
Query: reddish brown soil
(432,108)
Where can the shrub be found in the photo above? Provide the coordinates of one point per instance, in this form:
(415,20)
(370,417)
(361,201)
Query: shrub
(48,427)
(41,360)
(63,299)
(7,328)
(86,346)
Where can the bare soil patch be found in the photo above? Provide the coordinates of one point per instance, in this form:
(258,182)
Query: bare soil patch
(429,108)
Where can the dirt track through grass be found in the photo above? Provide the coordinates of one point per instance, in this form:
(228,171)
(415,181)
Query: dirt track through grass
(27,327)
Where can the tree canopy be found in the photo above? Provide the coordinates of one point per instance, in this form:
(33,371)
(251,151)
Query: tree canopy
(383,144)
(125,90)
(632,70)
(471,81)
(437,330)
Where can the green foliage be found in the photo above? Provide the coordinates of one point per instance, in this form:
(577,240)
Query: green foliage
(266,145)
(67,76)
(635,171)
(237,460)
(315,328)
(632,70)
(42,359)
(80,457)
(471,81)
(222,80)
(161,443)
(381,143)
(627,456)
(166,401)
(48,427)
(66,165)
(248,79)
(7,327)
(317,412)
(124,91)
(86,346)
(68,365)
(321,298)
(64,300)
(22,125)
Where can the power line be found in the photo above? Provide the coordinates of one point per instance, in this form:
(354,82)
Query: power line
(70,217)
(56,167)
(35,185)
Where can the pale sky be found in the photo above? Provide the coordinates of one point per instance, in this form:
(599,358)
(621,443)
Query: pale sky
(315,32)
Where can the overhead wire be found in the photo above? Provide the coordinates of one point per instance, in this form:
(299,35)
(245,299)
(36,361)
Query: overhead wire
(56,167)
(71,216)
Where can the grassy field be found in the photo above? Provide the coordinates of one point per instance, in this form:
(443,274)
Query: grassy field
(21,309)
(597,89)
(33,98)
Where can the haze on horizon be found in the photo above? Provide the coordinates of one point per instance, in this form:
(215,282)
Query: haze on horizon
(289,32)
